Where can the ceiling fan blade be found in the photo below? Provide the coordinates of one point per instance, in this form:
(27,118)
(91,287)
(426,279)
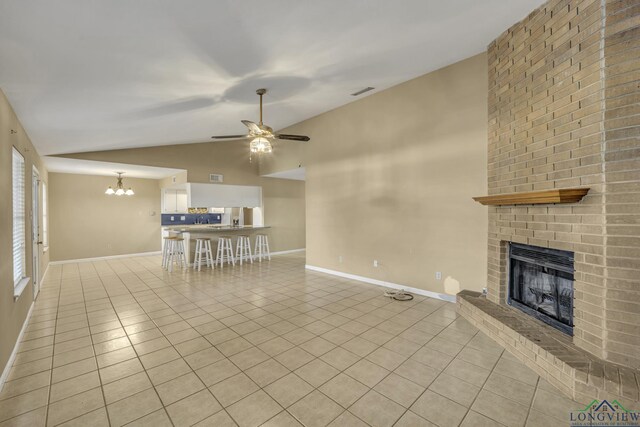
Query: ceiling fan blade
(292,137)
(229,136)
(254,128)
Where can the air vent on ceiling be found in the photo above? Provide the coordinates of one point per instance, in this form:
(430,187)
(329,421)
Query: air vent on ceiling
(361,91)
(215,177)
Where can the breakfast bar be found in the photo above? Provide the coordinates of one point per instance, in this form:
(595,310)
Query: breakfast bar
(190,232)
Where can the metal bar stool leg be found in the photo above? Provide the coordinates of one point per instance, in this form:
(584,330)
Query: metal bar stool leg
(247,246)
(239,249)
(170,255)
(208,254)
(256,249)
(266,244)
(197,256)
(230,252)
(220,253)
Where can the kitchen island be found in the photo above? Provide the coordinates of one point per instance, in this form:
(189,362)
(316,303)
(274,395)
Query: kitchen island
(193,231)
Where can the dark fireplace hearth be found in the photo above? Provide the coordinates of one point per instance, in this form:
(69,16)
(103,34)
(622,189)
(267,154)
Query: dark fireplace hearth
(541,284)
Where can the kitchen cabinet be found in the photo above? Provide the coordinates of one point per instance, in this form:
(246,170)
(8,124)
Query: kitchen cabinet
(178,199)
(175,201)
(224,195)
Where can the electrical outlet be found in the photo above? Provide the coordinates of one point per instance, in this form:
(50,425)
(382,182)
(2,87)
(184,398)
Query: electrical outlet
(375,262)
(438,275)
(182,218)
(173,218)
(340,259)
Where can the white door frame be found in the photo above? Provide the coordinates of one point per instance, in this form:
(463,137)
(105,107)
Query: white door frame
(35,230)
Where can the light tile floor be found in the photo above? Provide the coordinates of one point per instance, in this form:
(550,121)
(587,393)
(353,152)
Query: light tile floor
(123,342)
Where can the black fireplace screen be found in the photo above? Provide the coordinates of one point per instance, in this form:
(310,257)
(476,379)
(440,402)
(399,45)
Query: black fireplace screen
(541,284)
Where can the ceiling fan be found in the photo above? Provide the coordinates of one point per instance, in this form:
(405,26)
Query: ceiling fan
(262,134)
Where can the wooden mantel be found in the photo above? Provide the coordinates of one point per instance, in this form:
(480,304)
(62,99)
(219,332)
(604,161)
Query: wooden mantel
(567,195)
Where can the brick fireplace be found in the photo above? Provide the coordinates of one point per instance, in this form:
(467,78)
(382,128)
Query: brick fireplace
(564,96)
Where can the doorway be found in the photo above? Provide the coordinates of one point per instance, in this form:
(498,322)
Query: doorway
(35,234)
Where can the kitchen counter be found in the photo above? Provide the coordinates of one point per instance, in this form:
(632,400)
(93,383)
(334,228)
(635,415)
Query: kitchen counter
(192,232)
(211,228)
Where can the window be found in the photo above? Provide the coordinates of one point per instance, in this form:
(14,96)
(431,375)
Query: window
(19,235)
(45,216)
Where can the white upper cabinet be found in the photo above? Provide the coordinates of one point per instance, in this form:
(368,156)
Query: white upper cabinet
(182,200)
(174,200)
(222,195)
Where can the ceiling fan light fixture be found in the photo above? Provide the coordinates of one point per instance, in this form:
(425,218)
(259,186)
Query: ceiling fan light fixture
(261,135)
(260,145)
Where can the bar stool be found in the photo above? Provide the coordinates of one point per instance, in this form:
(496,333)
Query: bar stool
(165,251)
(203,246)
(261,249)
(176,253)
(225,251)
(243,249)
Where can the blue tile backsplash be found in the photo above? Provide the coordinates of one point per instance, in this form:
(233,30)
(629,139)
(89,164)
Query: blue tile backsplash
(191,219)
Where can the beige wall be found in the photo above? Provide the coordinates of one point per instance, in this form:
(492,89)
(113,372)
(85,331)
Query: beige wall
(284,200)
(390,178)
(13,313)
(284,208)
(86,223)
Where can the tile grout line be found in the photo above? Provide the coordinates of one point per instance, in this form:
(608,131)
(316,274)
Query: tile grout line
(53,352)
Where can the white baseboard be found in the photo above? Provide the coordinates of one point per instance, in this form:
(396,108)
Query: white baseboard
(46,270)
(290,251)
(443,297)
(102,258)
(7,367)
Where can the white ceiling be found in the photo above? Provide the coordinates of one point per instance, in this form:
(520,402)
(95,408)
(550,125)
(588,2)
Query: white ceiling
(90,167)
(104,74)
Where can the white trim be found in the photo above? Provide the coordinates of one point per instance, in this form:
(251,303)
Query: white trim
(443,297)
(20,287)
(102,258)
(288,252)
(7,367)
(46,270)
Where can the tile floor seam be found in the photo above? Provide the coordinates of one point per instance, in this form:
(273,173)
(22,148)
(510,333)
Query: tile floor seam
(480,388)
(104,400)
(106,406)
(407,409)
(533,398)
(46,419)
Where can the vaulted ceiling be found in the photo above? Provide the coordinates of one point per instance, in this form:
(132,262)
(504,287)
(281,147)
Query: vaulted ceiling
(86,75)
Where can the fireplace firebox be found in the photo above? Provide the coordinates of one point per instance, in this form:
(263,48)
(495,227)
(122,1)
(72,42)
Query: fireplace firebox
(541,284)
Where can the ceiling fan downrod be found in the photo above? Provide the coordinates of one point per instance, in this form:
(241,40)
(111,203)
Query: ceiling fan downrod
(261,92)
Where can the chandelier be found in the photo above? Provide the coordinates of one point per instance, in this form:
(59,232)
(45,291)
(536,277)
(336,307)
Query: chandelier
(119,191)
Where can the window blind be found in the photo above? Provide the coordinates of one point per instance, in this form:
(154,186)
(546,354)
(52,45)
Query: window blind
(19,226)
(45,216)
